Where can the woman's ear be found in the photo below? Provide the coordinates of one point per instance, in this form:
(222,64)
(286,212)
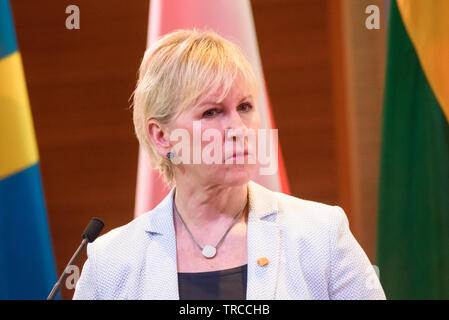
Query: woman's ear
(159,136)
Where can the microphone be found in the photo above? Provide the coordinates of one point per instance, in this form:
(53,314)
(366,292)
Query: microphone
(91,232)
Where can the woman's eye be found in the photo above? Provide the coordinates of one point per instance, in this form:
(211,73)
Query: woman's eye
(210,113)
(245,107)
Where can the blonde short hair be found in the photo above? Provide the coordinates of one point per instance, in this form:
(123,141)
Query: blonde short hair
(177,72)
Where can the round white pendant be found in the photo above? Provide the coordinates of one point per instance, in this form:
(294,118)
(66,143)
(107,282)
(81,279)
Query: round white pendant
(209,252)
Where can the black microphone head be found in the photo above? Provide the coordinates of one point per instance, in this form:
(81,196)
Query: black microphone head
(93,229)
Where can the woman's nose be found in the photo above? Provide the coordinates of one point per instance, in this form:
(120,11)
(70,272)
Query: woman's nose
(235,126)
(234,121)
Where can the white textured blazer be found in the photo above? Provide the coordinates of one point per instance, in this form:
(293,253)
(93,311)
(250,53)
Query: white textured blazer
(311,251)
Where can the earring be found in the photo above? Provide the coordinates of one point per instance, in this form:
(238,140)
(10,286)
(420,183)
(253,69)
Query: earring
(170,155)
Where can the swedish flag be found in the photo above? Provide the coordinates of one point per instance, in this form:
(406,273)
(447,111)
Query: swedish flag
(27,268)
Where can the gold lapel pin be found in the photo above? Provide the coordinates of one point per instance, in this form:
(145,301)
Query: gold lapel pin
(263,261)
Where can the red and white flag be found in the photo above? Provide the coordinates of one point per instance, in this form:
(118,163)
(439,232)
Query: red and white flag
(233,20)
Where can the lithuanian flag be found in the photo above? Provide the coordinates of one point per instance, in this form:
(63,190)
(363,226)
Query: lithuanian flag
(27,269)
(413,228)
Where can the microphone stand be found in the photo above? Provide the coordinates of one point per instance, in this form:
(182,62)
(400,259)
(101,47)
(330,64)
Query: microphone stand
(58,284)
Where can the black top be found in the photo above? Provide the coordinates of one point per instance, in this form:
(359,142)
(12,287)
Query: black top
(228,284)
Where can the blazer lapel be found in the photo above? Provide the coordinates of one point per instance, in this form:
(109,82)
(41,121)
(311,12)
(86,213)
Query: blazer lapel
(161,271)
(263,239)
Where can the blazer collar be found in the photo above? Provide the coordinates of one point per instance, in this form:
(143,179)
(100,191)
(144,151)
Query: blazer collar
(160,219)
(262,207)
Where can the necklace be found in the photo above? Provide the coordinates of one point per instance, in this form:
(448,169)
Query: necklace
(209,251)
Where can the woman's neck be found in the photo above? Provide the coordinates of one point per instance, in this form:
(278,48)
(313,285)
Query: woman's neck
(200,205)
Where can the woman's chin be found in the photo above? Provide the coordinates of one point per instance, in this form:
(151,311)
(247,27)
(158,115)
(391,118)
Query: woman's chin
(236,175)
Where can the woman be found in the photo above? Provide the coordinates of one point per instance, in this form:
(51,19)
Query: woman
(217,234)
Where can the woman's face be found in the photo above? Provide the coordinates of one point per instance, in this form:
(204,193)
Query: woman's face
(237,159)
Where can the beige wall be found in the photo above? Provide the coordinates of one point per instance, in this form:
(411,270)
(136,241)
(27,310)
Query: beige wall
(364,54)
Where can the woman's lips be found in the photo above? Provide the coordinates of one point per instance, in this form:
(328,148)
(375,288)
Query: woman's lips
(239,155)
